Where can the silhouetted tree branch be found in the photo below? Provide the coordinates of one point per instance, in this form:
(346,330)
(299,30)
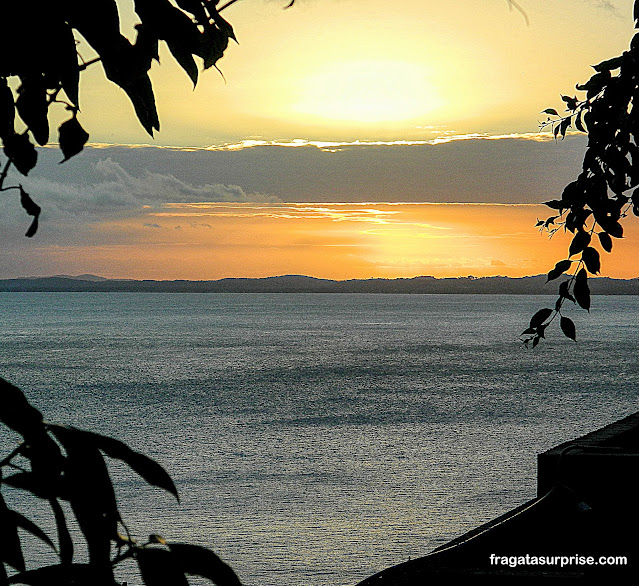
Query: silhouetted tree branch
(594,205)
(63,465)
(39,50)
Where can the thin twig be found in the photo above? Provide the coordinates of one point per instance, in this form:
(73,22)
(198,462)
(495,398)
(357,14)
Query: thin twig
(514,4)
(90,62)
(229,3)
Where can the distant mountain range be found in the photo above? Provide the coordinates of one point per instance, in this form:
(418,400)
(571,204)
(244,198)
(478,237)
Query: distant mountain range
(535,285)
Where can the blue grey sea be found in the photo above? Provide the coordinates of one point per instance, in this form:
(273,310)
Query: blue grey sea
(319,438)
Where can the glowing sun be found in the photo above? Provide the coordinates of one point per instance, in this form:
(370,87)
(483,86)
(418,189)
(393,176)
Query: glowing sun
(368,91)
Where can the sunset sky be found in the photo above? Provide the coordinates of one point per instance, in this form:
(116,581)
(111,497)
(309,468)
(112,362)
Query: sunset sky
(347,139)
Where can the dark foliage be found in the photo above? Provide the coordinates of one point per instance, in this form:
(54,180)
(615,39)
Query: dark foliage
(607,189)
(66,467)
(40,66)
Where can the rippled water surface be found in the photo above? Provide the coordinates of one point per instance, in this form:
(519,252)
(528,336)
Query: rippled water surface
(316,439)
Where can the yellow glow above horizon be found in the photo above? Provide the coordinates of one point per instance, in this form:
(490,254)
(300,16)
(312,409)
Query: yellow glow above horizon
(368,91)
(370,70)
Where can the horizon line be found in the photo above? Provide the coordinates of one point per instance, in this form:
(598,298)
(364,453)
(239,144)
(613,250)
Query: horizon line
(298,275)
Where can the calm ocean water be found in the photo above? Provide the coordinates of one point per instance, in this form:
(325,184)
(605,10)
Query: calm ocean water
(317,439)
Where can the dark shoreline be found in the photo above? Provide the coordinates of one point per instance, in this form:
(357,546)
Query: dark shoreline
(534,285)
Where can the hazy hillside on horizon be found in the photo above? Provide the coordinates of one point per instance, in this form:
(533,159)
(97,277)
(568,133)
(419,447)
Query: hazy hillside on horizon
(533,285)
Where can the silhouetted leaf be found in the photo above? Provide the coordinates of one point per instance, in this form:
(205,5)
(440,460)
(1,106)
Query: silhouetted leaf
(29,526)
(16,412)
(28,481)
(147,468)
(565,123)
(590,256)
(72,138)
(571,103)
(579,242)
(605,240)
(10,548)
(579,125)
(140,93)
(173,26)
(146,44)
(33,109)
(553,274)
(560,268)
(214,43)
(581,289)
(90,493)
(612,227)
(595,84)
(183,55)
(540,317)
(576,219)
(21,151)
(609,64)
(126,66)
(551,111)
(555,204)
(200,561)
(45,479)
(65,543)
(159,567)
(571,193)
(568,328)
(224,26)
(33,209)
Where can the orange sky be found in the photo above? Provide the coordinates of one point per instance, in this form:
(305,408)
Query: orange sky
(328,240)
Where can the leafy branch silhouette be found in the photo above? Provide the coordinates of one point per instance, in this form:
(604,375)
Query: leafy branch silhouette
(596,203)
(40,66)
(65,467)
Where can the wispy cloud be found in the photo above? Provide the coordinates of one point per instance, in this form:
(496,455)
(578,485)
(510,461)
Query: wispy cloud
(340,212)
(120,192)
(373,219)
